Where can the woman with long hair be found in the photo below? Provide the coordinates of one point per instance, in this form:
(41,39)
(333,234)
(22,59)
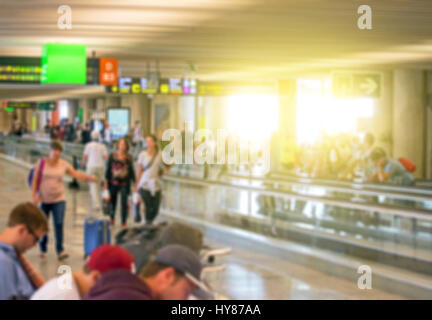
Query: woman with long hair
(119,176)
(148,178)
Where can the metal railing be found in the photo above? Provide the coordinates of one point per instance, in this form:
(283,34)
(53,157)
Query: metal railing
(264,206)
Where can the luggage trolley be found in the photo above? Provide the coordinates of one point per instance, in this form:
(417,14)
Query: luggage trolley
(210,257)
(143,241)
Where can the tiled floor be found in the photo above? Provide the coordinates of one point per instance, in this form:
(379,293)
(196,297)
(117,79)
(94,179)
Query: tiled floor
(248,275)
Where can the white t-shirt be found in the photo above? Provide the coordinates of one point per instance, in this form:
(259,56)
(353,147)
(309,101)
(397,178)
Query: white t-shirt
(95,153)
(60,288)
(137,137)
(150,178)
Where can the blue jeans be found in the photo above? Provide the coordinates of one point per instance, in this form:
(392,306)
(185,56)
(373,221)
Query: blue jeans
(58,209)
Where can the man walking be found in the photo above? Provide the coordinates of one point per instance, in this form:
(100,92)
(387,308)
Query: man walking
(95,155)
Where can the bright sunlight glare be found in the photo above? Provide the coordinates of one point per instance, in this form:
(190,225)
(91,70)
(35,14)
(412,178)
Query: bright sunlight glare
(252,117)
(318,112)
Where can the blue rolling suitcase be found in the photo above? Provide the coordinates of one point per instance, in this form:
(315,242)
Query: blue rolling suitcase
(96,233)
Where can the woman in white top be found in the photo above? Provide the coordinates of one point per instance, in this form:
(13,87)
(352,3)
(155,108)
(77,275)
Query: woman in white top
(148,177)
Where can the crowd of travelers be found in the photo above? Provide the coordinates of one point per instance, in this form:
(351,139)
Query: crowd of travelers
(115,172)
(348,156)
(174,272)
(109,272)
(18,128)
(77,133)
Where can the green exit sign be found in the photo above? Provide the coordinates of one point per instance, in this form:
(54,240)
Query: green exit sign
(64,64)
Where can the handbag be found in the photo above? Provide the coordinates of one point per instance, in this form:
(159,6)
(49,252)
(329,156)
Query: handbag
(31,174)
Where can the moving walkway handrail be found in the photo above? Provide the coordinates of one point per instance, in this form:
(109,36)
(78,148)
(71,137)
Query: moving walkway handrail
(68,156)
(358,190)
(395,211)
(391,191)
(359,185)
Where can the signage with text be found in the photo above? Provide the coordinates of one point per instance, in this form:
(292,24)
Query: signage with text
(152,85)
(40,106)
(108,71)
(28,70)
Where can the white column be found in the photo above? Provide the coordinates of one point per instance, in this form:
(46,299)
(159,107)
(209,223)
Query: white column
(409,117)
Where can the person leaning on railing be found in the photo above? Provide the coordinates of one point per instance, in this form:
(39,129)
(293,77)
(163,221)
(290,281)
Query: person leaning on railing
(388,170)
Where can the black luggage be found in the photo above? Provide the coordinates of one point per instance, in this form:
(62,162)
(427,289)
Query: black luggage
(142,241)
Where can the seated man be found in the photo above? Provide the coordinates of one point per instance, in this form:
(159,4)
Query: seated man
(73,286)
(389,170)
(173,274)
(26,225)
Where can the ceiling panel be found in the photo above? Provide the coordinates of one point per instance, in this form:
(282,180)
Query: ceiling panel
(240,39)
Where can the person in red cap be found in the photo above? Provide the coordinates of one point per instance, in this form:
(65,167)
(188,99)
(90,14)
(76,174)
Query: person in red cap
(73,286)
(173,273)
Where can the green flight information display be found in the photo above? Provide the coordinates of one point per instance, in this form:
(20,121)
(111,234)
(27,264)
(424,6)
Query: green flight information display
(64,63)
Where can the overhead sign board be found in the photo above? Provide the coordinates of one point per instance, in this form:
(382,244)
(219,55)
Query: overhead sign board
(47,106)
(189,86)
(20,70)
(41,106)
(64,63)
(356,84)
(177,86)
(21,105)
(92,71)
(153,85)
(28,70)
(108,71)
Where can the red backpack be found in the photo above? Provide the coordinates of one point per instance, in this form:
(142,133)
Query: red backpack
(410,166)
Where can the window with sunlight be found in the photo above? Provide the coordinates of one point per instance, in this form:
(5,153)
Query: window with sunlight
(252,117)
(318,112)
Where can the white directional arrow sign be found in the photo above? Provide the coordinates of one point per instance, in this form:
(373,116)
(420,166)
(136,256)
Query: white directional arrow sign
(356,84)
(369,86)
